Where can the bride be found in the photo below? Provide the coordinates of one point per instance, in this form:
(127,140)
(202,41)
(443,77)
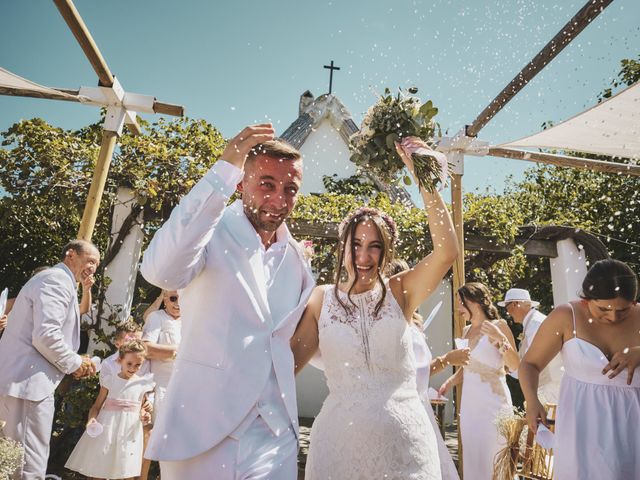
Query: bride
(373,424)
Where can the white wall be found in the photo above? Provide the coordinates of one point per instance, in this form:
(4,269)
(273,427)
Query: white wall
(122,270)
(311,390)
(440,336)
(568,270)
(324,153)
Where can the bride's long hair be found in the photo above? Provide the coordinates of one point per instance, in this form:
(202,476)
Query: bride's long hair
(386,229)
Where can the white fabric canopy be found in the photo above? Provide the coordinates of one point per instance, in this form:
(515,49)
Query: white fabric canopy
(610,128)
(13,81)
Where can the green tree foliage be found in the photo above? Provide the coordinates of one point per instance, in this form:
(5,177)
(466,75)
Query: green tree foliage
(605,205)
(45,173)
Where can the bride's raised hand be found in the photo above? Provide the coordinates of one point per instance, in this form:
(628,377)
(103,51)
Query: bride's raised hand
(404,149)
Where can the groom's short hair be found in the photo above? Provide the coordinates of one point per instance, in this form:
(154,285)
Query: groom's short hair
(276,148)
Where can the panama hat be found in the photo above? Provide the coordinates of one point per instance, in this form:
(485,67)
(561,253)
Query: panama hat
(518,295)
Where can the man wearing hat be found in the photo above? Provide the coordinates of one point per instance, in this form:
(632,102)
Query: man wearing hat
(523,310)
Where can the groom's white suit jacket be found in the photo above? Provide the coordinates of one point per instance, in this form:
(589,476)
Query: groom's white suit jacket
(234,328)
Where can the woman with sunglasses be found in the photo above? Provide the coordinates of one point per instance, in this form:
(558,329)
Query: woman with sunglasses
(161,335)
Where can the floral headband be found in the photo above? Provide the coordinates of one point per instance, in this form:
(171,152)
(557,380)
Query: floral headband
(362,212)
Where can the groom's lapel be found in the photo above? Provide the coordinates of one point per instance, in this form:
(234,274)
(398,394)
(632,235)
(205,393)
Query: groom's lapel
(307,283)
(250,273)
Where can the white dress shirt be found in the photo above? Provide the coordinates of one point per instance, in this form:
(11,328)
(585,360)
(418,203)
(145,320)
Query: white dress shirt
(551,375)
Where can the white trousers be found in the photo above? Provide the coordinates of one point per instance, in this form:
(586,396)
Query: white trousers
(29,423)
(257,455)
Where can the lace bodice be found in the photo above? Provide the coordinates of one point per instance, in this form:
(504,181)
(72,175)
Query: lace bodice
(363,350)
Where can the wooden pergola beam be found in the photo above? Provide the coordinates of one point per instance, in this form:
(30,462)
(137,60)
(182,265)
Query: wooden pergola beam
(566,161)
(83,36)
(23,92)
(327,230)
(158,107)
(568,32)
(534,248)
(168,109)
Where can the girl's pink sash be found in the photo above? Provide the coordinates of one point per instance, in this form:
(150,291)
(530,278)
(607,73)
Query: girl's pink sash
(121,405)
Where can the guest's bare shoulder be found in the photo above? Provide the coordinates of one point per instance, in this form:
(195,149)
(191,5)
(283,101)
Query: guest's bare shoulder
(559,321)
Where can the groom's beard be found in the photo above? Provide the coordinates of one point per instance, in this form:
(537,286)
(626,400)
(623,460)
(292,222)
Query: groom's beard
(262,220)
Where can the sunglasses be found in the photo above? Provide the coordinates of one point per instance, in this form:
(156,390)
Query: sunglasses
(173,298)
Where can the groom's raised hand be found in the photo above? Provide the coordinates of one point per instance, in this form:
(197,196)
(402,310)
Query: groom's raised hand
(239,146)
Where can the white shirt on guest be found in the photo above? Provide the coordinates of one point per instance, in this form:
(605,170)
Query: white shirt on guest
(163,329)
(551,375)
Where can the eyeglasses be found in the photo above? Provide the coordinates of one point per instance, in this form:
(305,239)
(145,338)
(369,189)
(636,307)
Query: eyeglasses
(173,298)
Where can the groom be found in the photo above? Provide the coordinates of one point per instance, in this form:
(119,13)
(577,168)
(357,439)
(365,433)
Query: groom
(230,411)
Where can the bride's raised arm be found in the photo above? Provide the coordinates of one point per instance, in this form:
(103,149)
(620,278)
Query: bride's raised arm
(413,286)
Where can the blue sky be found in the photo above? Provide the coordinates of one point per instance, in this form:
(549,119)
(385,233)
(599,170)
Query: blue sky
(234,63)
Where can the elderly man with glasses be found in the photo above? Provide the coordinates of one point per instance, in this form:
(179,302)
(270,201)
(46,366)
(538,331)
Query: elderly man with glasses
(518,304)
(161,335)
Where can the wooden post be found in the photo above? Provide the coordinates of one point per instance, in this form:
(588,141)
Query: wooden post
(97,185)
(458,266)
(458,281)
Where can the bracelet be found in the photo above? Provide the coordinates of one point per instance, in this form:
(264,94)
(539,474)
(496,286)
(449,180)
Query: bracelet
(442,363)
(174,354)
(504,347)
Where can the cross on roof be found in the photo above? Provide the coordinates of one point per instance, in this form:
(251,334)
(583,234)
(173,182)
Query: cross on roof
(331,68)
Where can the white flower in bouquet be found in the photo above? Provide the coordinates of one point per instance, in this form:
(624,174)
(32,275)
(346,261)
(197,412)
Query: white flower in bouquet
(11,457)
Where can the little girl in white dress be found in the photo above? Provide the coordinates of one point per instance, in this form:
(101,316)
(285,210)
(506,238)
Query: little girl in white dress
(116,452)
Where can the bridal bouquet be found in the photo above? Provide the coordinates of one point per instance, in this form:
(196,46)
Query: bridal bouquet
(395,119)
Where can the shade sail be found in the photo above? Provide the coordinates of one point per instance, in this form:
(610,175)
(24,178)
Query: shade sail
(11,81)
(610,128)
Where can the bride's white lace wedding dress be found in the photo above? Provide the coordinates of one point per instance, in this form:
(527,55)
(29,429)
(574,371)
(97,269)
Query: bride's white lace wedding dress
(372,425)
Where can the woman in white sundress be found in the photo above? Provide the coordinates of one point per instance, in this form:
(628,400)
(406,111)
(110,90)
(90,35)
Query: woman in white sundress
(596,432)
(484,391)
(372,424)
